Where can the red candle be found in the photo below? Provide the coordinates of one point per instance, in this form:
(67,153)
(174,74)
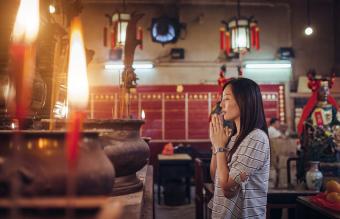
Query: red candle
(73,136)
(22,55)
(77,91)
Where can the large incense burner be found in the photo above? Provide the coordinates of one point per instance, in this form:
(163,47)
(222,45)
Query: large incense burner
(125,148)
(35,163)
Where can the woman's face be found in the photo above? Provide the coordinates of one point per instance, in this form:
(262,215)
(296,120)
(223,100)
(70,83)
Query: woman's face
(229,106)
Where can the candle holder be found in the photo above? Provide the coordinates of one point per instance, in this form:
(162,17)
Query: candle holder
(124,147)
(35,161)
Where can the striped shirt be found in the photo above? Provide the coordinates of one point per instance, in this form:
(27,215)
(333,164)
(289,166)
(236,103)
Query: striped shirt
(253,158)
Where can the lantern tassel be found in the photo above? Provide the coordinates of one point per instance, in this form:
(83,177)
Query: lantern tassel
(253,36)
(113,36)
(257,38)
(105,36)
(227,43)
(140,38)
(222,38)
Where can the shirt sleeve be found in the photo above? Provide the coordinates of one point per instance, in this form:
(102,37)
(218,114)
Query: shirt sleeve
(251,156)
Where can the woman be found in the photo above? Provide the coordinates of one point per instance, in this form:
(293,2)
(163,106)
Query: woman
(240,162)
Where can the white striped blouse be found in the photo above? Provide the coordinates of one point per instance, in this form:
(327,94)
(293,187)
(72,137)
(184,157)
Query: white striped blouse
(250,200)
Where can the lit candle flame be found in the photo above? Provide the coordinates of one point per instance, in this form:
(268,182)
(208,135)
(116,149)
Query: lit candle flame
(26,25)
(143,115)
(77,84)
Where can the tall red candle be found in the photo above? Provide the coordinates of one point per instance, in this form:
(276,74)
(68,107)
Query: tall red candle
(77,91)
(22,56)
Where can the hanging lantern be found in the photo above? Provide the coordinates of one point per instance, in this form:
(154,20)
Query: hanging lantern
(119,26)
(239,35)
(244,33)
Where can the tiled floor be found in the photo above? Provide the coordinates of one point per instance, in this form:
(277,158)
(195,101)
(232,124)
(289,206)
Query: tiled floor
(186,211)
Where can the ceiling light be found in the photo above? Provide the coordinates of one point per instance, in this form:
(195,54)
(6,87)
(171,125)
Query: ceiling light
(308,30)
(267,65)
(120,66)
(51,9)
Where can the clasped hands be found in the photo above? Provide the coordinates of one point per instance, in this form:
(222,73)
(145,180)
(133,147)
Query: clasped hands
(218,134)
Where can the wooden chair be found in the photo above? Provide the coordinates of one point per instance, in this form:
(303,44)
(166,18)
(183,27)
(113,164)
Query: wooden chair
(202,175)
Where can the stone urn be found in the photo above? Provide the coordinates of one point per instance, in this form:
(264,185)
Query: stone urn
(314,176)
(125,148)
(35,161)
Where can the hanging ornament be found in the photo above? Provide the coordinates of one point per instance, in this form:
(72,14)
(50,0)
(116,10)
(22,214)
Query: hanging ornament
(243,33)
(140,37)
(105,36)
(227,43)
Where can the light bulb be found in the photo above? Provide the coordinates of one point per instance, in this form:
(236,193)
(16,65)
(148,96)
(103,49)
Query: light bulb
(51,9)
(308,30)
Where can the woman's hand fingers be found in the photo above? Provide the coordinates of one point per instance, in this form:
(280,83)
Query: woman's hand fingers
(227,131)
(214,123)
(243,176)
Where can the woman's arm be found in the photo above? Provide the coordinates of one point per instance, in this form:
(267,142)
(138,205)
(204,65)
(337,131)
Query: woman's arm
(213,166)
(227,184)
(219,138)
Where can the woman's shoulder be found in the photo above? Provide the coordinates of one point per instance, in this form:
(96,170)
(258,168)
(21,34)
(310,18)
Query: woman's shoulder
(258,135)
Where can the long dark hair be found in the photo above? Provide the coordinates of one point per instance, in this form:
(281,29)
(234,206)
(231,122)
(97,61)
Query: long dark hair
(249,100)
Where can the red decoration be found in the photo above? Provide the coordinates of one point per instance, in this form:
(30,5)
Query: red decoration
(113,35)
(222,38)
(239,71)
(320,200)
(318,119)
(314,85)
(168,149)
(227,43)
(140,37)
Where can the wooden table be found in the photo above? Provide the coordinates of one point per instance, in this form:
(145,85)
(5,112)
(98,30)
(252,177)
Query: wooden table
(285,198)
(180,165)
(307,209)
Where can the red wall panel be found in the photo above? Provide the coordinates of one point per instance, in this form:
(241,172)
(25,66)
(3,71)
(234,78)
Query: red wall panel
(176,116)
